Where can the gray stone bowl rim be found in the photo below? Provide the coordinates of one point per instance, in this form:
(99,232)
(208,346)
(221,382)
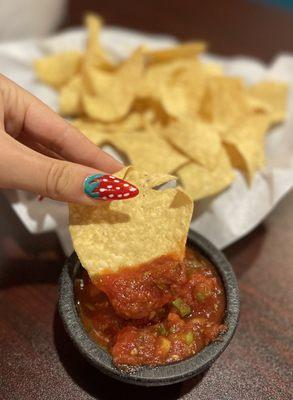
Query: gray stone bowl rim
(146,375)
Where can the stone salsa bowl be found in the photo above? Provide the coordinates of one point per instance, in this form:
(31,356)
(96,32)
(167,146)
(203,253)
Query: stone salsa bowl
(158,375)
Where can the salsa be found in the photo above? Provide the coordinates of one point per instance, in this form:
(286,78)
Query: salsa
(155,314)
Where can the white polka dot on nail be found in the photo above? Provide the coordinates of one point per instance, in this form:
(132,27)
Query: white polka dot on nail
(105,180)
(126,194)
(119,195)
(104,197)
(116,180)
(132,189)
(109,186)
(112,177)
(102,190)
(111,195)
(118,188)
(126,184)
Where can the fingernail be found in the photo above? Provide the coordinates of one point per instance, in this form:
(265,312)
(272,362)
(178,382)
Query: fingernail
(108,188)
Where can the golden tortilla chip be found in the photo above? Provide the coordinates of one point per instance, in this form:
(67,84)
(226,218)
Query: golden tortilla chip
(147,150)
(224,102)
(181,51)
(151,111)
(274,95)
(127,233)
(70,97)
(199,182)
(57,69)
(183,90)
(244,143)
(196,139)
(94,25)
(257,106)
(213,69)
(177,71)
(134,121)
(154,77)
(95,56)
(109,95)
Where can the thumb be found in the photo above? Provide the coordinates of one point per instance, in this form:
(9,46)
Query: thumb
(23,168)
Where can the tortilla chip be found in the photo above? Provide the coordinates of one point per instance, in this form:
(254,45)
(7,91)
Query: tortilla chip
(94,25)
(178,85)
(182,93)
(109,95)
(184,50)
(274,95)
(154,77)
(199,182)
(111,236)
(244,143)
(196,139)
(95,56)
(224,102)
(257,106)
(56,70)
(147,150)
(70,97)
(213,69)
(133,121)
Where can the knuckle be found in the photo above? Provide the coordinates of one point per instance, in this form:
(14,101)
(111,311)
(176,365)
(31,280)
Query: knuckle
(58,180)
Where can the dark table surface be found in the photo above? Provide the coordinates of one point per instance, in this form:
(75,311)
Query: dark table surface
(37,360)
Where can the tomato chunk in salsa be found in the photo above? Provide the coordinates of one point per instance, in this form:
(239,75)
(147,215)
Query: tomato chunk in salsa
(157,313)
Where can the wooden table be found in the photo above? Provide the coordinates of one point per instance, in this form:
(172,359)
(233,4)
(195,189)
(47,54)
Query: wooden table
(37,359)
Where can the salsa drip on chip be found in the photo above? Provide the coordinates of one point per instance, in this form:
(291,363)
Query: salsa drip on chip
(167,111)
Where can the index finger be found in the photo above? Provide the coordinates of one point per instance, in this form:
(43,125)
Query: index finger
(46,127)
(58,135)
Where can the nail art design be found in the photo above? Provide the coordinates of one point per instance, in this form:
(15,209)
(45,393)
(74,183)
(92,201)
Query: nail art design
(109,187)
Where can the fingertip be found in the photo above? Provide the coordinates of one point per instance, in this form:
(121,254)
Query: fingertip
(105,187)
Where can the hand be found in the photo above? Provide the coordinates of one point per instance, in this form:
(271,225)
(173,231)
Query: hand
(42,153)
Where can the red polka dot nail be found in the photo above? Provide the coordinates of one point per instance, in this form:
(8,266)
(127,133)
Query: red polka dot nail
(108,188)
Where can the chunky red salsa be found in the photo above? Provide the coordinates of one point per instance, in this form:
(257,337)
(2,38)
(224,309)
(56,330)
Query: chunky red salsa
(158,313)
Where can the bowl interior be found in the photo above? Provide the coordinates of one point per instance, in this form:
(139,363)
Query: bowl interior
(159,375)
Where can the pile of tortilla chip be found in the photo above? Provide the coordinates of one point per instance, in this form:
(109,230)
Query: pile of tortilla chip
(117,230)
(167,111)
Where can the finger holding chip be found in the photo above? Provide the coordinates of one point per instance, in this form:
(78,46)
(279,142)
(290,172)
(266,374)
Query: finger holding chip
(119,231)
